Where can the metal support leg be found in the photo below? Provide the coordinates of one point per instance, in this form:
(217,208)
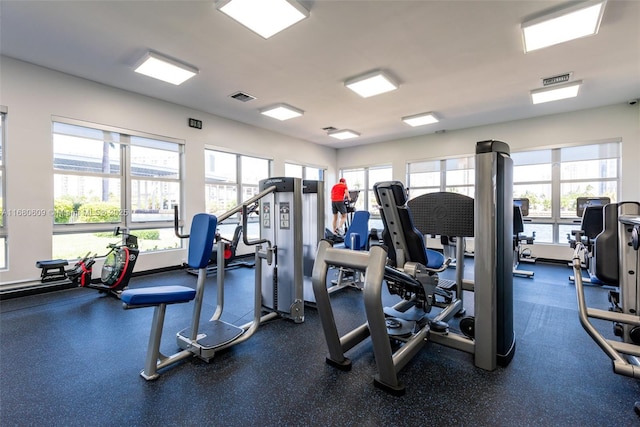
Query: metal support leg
(153,349)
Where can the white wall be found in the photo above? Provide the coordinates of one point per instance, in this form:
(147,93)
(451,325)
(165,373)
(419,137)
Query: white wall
(34,94)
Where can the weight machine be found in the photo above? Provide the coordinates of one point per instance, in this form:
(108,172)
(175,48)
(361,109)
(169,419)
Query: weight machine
(618,264)
(488,335)
(278,278)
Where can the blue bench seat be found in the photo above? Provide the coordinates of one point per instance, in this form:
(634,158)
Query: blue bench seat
(157,295)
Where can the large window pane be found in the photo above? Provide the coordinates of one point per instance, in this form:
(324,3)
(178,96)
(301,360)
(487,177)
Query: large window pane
(254,169)
(154,163)
(291,170)
(77,154)
(589,169)
(570,191)
(356,181)
(314,174)
(220,198)
(86,199)
(589,152)
(153,200)
(544,232)
(76,245)
(220,166)
(425,179)
(532,173)
(539,196)
(467,191)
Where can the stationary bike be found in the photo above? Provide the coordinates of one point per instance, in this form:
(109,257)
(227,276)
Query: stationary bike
(116,270)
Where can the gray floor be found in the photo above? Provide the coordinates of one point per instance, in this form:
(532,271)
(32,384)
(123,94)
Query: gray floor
(72,357)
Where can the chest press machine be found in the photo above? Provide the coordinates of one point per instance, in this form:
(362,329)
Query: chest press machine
(410,274)
(278,290)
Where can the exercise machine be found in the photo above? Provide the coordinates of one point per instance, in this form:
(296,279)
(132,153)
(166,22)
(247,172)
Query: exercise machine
(618,263)
(591,212)
(313,214)
(520,210)
(357,238)
(230,258)
(278,278)
(488,335)
(116,270)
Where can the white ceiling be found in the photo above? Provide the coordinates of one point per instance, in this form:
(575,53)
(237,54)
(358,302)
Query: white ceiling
(460,59)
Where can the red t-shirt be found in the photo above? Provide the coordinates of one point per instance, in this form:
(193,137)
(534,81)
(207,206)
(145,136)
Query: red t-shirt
(337,192)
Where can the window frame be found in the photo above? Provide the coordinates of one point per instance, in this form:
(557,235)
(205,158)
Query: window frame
(4,229)
(228,226)
(556,219)
(125,175)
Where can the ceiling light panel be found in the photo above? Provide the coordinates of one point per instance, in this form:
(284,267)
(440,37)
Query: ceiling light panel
(370,84)
(579,20)
(264,17)
(343,134)
(282,112)
(556,93)
(164,68)
(420,119)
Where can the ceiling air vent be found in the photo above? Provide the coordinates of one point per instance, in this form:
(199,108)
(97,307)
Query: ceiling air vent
(241,96)
(329,129)
(560,78)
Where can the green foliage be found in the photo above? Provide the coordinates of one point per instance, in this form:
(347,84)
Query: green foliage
(147,234)
(99,212)
(62,210)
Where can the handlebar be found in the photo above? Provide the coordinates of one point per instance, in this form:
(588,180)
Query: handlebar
(242,207)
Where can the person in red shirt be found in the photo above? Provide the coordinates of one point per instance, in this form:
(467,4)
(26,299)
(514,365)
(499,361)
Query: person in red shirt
(339,193)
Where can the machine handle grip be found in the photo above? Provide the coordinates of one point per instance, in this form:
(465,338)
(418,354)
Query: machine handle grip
(176,224)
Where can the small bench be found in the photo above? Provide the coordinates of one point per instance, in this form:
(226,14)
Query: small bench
(57,265)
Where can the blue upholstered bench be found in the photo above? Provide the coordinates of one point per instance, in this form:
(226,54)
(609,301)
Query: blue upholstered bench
(145,297)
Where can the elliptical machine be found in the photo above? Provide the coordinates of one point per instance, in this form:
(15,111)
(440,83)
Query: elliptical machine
(116,270)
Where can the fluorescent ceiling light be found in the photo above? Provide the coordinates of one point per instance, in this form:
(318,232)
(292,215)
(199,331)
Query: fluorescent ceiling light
(343,134)
(555,93)
(166,69)
(579,20)
(264,17)
(370,84)
(420,119)
(282,112)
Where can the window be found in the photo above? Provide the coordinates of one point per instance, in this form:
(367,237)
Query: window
(3,225)
(454,175)
(582,171)
(292,170)
(304,172)
(363,180)
(552,180)
(106,178)
(229,180)
(460,175)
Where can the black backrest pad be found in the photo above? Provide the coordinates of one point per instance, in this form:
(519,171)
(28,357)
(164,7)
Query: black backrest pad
(518,223)
(606,244)
(592,221)
(443,213)
(399,231)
